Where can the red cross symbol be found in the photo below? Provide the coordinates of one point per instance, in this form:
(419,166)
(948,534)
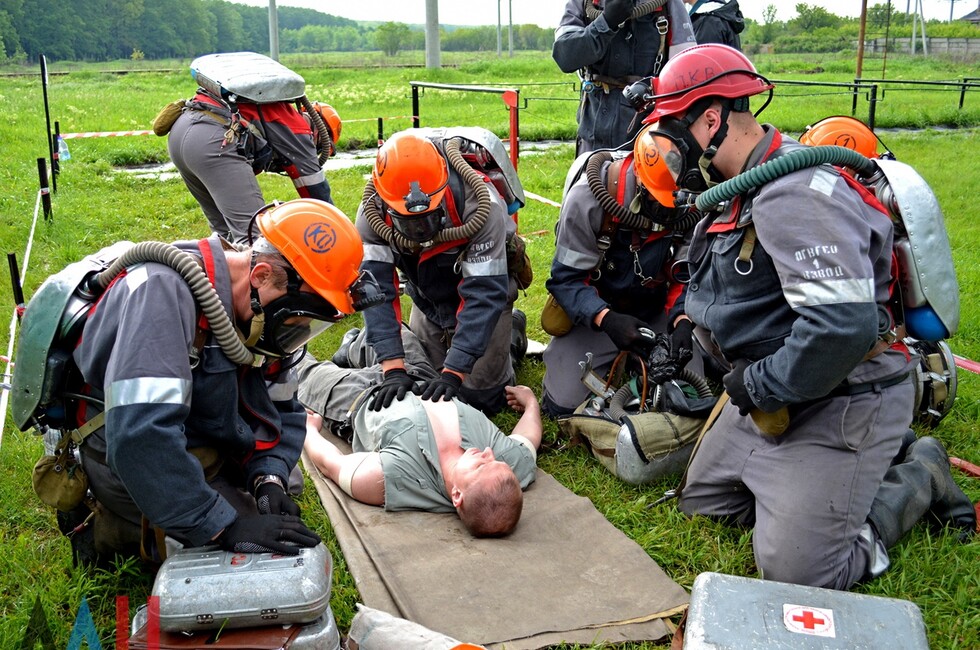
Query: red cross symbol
(809,620)
(802,619)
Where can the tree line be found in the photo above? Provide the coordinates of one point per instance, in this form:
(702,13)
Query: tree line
(105,30)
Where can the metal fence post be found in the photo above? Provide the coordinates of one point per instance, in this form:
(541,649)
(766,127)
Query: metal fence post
(42,175)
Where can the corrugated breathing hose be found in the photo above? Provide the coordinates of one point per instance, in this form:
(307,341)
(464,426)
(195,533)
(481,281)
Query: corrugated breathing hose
(466,231)
(785,164)
(186,264)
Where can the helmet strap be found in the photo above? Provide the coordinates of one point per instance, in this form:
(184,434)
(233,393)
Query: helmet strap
(710,173)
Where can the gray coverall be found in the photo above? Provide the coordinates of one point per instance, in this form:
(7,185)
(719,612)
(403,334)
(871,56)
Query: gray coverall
(804,311)
(221,174)
(626,283)
(462,299)
(608,60)
(135,349)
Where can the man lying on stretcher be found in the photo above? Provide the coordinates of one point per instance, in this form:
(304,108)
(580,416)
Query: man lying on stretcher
(438,456)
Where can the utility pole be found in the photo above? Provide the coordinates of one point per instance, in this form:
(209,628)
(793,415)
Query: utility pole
(919,17)
(498,30)
(510,27)
(861,33)
(432,34)
(273,31)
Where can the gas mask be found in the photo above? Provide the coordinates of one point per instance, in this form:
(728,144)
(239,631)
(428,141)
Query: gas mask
(290,321)
(287,323)
(681,153)
(690,164)
(418,227)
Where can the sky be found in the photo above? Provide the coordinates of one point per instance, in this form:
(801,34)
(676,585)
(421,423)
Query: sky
(547,13)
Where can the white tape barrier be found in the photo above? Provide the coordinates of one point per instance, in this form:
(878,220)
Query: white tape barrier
(8,373)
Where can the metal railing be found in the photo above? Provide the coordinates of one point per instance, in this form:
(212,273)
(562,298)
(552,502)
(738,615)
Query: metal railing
(510,96)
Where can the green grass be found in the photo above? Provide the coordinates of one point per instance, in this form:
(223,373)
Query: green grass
(95,206)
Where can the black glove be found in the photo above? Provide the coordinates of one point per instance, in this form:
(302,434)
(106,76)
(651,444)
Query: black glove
(446,386)
(624,330)
(271,499)
(267,534)
(681,343)
(396,385)
(735,387)
(617,12)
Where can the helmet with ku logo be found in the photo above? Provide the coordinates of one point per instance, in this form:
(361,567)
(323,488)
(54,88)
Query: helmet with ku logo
(320,243)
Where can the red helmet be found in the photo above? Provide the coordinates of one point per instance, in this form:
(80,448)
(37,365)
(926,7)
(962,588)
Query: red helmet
(711,70)
(842,131)
(410,174)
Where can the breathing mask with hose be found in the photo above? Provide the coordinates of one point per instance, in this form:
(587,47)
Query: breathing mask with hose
(411,177)
(314,245)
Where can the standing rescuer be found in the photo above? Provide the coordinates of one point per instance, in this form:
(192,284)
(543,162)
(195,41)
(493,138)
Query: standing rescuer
(195,445)
(613,45)
(249,116)
(792,280)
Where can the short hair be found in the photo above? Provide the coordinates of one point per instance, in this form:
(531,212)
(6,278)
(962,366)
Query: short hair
(492,505)
(277,262)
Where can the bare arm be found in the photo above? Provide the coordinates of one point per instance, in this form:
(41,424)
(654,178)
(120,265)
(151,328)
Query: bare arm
(523,400)
(358,474)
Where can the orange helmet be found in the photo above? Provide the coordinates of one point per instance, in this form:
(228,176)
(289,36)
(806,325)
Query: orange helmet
(651,167)
(711,70)
(322,245)
(330,118)
(842,131)
(410,174)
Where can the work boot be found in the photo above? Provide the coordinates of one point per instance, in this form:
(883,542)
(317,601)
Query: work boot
(907,441)
(920,485)
(950,506)
(518,336)
(342,356)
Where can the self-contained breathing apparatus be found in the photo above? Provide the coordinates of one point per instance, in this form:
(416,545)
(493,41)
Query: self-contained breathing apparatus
(226,79)
(47,387)
(925,307)
(645,429)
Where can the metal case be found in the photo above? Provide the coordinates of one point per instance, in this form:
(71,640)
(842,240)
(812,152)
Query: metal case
(247,75)
(734,612)
(207,588)
(321,634)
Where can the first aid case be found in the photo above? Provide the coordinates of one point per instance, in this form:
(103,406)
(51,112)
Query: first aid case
(735,612)
(208,588)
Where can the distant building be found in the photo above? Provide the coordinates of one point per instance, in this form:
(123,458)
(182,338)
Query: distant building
(973,16)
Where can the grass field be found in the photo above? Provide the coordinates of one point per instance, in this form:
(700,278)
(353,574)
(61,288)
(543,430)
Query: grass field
(95,205)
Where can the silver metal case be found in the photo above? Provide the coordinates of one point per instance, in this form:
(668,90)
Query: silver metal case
(248,75)
(207,588)
(735,612)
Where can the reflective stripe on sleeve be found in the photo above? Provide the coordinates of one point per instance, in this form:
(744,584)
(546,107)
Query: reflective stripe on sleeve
(575,259)
(310,179)
(823,181)
(378,253)
(148,390)
(830,292)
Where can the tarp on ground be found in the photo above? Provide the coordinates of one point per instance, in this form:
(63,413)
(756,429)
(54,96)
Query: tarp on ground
(565,575)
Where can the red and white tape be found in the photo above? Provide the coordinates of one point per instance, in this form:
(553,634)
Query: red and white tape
(102,134)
